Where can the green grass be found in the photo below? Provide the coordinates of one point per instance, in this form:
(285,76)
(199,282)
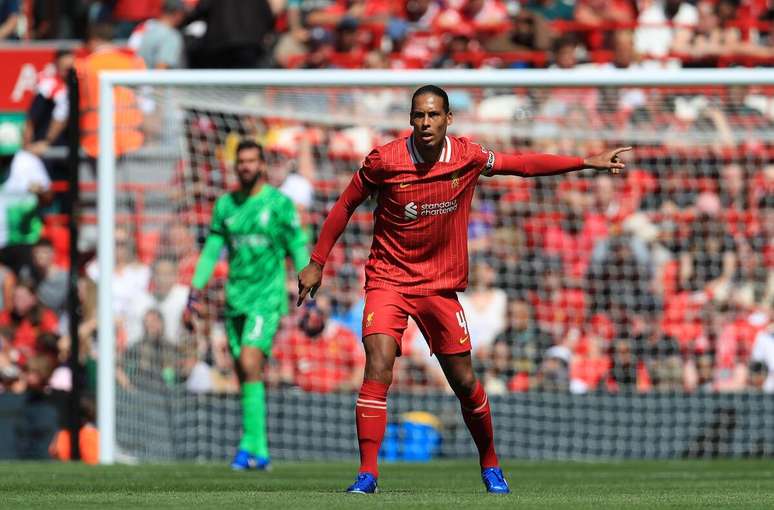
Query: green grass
(439,484)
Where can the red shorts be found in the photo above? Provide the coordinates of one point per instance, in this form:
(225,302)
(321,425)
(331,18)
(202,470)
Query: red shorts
(440,318)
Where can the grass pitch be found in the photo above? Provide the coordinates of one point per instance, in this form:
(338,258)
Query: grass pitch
(439,484)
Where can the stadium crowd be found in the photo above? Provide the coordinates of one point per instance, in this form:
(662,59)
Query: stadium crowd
(412,33)
(660,280)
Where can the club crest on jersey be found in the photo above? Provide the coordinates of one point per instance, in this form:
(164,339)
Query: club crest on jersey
(369,320)
(455,179)
(410,211)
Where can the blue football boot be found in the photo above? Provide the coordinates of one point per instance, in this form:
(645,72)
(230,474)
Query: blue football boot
(365,484)
(495,481)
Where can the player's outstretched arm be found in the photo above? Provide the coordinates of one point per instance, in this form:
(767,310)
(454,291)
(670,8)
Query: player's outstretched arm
(310,277)
(531,164)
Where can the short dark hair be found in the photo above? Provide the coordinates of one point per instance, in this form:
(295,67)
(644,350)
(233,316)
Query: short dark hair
(249,144)
(100,31)
(434,90)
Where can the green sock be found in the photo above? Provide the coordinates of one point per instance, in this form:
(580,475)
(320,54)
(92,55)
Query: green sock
(254,438)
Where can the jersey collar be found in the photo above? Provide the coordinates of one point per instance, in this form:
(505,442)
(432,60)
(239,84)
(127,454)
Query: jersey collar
(416,157)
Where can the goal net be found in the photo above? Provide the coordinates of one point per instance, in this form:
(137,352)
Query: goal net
(610,316)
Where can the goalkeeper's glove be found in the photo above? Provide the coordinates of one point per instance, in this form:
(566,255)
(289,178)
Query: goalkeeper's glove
(193,309)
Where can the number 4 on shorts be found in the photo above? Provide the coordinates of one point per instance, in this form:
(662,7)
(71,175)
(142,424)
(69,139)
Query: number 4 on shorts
(461,321)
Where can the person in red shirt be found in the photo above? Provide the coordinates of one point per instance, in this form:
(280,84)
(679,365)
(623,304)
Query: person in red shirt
(26,319)
(319,355)
(419,261)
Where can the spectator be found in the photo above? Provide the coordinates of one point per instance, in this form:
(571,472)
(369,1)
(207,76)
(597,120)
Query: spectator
(708,261)
(516,271)
(485,308)
(26,189)
(565,48)
(51,282)
(127,14)
(421,14)
(528,31)
(479,15)
(664,26)
(552,10)
(104,56)
(624,372)
(758,374)
(10,19)
(319,355)
(499,370)
(238,34)
(158,41)
(458,42)
(164,294)
(619,278)
(674,193)
(523,336)
(130,276)
(554,372)
(661,354)
(589,366)
(558,307)
(26,319)
(151,363)
(600,14)
(48,112)
(763,352)
(294,42)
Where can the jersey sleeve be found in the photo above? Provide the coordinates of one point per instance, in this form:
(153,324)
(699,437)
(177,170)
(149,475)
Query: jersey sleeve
(522,164)
(210,254)
(372,171)
(217,222)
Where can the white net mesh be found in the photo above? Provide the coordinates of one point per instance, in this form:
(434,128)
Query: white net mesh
(610,316)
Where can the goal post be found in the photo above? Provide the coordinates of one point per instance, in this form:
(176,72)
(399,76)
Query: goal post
(300,82)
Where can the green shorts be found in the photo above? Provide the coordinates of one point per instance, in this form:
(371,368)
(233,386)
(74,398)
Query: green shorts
(255,329)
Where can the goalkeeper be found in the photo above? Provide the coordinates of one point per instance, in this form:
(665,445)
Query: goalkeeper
(259,227)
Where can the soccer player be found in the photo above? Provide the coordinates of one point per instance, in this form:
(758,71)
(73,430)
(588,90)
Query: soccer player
(259,227)
(419,261)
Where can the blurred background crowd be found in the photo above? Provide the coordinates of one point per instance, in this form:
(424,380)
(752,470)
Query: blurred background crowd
(660,280)
(411,33)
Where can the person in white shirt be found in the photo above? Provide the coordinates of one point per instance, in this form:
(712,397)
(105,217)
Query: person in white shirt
(664,26)
(763,351)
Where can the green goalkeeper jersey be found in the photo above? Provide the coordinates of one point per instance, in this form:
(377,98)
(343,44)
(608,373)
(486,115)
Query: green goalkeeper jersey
(259,232)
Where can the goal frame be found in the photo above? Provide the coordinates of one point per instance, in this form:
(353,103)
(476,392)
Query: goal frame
(106,164)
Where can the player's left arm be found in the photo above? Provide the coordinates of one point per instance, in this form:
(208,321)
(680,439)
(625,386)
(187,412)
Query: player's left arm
(533,164)
(294,237)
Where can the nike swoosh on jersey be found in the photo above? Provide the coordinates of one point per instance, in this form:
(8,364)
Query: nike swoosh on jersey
(404,185)
(463,340)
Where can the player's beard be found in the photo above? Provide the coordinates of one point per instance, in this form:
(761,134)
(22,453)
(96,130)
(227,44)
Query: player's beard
(248,183)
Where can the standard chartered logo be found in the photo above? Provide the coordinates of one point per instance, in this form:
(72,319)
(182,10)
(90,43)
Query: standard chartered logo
(412,211)
(250,241)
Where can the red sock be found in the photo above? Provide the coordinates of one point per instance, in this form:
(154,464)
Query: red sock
(371,419)
(478,418)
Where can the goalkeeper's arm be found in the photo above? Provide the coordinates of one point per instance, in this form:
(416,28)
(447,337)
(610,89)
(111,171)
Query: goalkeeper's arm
(204,269)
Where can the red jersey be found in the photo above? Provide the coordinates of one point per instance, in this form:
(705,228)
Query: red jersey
(420,243)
